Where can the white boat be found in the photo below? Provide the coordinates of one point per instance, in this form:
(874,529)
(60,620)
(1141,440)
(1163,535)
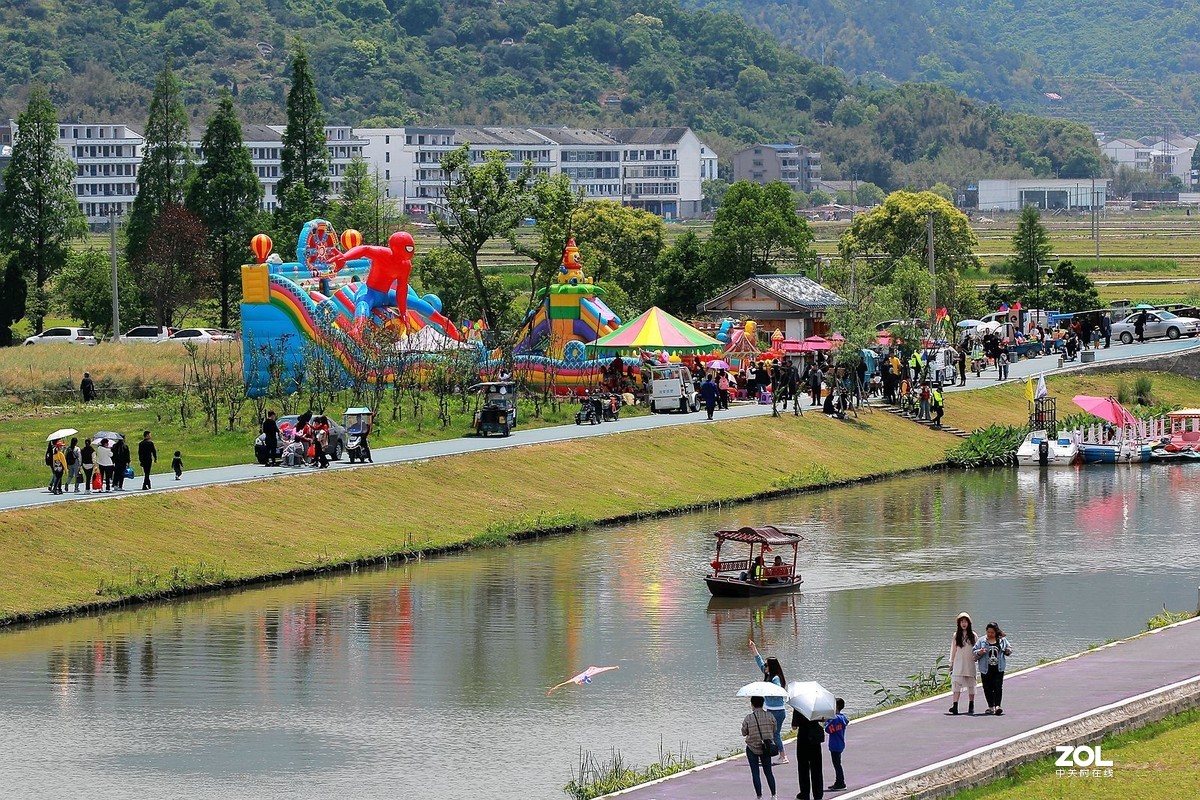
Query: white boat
(1039,450)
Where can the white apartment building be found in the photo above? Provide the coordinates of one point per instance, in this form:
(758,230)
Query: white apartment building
(658,169)
(1155,156)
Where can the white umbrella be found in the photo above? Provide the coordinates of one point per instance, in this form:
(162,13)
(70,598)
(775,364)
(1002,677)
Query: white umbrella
(989,327)
(969,323)
(761,689)
(812,700)
(61,433)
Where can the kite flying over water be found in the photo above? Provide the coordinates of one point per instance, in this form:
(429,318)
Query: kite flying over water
(581,678)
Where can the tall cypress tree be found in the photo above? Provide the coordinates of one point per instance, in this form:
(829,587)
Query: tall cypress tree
(226,195)
(166,162)
(1031,247)
(305,158)
(38,213)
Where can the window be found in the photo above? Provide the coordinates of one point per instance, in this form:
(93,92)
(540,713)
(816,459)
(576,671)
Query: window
(387,176)
(387,139)
(387,158)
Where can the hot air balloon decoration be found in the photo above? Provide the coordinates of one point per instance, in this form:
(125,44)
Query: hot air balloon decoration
(351,239)
(261,245)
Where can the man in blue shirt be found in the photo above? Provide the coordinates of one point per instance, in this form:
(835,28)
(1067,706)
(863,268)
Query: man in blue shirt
(709,392)
(836,728)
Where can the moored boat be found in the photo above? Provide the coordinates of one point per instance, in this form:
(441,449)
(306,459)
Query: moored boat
(1040,450)
(753,576)
(1115,452)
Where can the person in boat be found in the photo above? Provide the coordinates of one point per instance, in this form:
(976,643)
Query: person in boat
(758,572)
(778,562)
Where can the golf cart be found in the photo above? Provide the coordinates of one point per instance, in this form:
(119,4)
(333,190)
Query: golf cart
(357,422)
(671,389)
(498,414)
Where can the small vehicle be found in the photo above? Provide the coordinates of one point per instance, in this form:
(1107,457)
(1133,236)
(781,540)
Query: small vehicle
(498,414)
(1039,450)
(1158,323)
(337,444)
(63,336)
(145,334)
(591,410)
(671,389)
(199,335)
(357,422)
(612,407)
(754,577)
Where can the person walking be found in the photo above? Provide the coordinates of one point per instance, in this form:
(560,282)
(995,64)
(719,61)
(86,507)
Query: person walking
(962,364)
(1002,360)
(87,388)
(708,393)
(962,662)
(177,465)
(147,456)
(815,381)
(990,652)
(73,454)
(924,397)
(270,432)
(790,383)
(1106,329)
(938,403)
(104,458)
(121,457)
(810,735)
(321,441)
(1139,326)
(723,390)
(756,729)
(58,465)
(87,462)
(776,706)
(836,729)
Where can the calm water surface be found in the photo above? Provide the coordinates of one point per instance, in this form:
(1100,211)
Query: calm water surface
(429,681)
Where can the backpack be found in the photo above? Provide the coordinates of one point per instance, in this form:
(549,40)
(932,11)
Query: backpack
(70,456)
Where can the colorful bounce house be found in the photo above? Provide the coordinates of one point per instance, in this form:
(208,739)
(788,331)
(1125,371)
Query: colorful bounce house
(328,297)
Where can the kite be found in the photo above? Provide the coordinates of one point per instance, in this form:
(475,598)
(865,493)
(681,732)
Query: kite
(581,678)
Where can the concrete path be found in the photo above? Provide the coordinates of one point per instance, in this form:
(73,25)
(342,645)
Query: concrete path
(238,473)
(901,744)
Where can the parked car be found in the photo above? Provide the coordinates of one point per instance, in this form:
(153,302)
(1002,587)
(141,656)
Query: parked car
(63,335)
(339,439)
(199,335)
(145,334)
(1158,323)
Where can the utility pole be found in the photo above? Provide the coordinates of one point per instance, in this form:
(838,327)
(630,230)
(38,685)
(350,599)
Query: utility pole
(112,247)
(932,275)
(1096,217)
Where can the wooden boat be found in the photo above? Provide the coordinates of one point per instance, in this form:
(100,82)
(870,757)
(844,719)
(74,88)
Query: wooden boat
(753,576)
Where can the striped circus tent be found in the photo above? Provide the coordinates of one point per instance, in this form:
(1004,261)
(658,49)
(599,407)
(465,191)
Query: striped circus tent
(656,330)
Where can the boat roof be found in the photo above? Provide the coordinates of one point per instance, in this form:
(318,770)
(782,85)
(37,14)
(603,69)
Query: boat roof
(1185,412)
(358,410)
(766,534)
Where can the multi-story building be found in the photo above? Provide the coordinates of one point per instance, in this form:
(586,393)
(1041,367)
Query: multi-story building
(794,164)
(107,159)
(657,169)
(5,150)
(1160,157)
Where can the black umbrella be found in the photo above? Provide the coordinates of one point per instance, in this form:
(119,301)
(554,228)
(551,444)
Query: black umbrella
(303,419)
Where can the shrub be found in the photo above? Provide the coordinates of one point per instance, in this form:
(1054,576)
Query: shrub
(1142,386)
(1124,395)
(993,446)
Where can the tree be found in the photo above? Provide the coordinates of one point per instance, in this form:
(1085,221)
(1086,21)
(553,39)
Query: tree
(552,202)
(622,245)
(818,197)
(1031,248)
(1071,290)
(483,202)
(83,290)
(305,158)
(713,191)
(755,227)
(39,214)
(447,274)
(868,194)
(364,204)
(682,281)
(897,228)
(174,266)
(166,162)
(225,196)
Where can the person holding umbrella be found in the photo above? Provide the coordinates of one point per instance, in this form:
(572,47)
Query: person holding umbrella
(104,458)
(811,703)
(756,729)
(58,465)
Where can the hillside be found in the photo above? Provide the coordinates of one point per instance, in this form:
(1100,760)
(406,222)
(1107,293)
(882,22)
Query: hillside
(1118,65)
(533,61)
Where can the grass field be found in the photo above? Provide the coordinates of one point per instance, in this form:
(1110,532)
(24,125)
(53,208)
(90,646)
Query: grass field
(1161,760)
(62,556)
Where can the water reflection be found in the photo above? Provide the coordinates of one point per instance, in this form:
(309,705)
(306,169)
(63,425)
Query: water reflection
(429,679)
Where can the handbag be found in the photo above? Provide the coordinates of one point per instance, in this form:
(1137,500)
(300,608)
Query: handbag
(769,750)
(96,480)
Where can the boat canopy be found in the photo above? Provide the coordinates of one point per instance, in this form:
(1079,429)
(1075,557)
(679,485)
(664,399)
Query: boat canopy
(1185,412)
(767,534)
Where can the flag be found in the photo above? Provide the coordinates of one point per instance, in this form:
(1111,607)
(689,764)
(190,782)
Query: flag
(1041,388)
(1016,306)
(766,548)
(1029,391)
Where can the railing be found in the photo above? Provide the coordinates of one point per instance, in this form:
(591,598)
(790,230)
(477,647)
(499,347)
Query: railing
(745,565)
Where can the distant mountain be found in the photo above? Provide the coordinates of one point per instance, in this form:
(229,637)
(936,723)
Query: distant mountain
(1117,65)
(606,63)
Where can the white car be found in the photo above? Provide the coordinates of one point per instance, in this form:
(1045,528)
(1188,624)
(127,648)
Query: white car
(1158,323)
(199,335)
(145,334)
(63,335)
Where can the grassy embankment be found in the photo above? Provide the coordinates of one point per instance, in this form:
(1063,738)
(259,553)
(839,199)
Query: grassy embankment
(78,553)
(1161,760)
(54,372)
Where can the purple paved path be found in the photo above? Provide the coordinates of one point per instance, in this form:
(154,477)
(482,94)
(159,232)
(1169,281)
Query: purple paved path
(888,745)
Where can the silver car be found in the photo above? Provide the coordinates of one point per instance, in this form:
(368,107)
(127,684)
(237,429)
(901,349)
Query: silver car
(1158,323)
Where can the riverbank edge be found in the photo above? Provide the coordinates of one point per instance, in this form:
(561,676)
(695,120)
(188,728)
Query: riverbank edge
(957,775)
(485,540)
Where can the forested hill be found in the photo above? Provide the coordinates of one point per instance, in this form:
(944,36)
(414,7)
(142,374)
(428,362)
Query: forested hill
(508,61)
(1118,65)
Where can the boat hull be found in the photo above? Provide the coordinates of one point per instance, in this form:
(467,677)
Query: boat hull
(1119,453)
(1060,453)
(733,587)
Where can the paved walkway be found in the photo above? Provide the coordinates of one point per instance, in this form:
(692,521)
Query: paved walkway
(896,744)
(239,473)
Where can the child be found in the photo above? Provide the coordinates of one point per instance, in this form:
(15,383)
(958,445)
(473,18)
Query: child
(836,728)
(177,464)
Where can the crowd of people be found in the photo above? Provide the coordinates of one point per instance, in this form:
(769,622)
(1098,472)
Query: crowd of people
(974,659)
(102,464)
(781,381)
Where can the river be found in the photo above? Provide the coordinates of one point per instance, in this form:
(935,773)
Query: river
(429,680)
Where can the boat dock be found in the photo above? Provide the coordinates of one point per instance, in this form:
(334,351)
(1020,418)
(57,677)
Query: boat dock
(919,751)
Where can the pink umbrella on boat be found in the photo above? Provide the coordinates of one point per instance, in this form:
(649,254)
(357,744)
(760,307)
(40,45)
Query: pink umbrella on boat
(1106,408)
